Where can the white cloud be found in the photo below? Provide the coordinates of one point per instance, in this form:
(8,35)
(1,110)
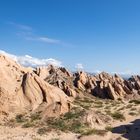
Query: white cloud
(31,61)
(27,33)
(79,66)
(21,26)
(44,39)
(48,40)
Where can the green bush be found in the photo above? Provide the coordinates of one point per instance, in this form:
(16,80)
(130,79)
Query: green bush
(28,124)
(94,132)
(20,118)
(117,116)
(35,116)
(108,128)
(135,102)
(132,113)
(42,130)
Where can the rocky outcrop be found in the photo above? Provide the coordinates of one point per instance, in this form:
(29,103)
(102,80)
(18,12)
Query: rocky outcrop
(109,86)
(21,90)
(51,89)
(104,85)
(59,77)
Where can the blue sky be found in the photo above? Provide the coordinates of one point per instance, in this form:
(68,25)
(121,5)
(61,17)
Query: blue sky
(99,34)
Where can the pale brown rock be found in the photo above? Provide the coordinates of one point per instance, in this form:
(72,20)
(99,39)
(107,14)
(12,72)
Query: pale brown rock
(21,90)
(61,78)
(49,88)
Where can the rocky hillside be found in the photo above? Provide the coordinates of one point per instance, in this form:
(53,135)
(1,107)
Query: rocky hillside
(48,100)
(51,90)
(21,90)
(102,85)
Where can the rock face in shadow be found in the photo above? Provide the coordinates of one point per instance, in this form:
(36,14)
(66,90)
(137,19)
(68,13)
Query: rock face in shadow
(130,131)
(21,90)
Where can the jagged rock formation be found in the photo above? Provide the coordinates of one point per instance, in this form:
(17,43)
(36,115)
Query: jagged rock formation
(51,89)
(59,77)
(21,90)
(102,85)
(108,86)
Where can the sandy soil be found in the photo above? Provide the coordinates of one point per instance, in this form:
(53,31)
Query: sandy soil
(128,129)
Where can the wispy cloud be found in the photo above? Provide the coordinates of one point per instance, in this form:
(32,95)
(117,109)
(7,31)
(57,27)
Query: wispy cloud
(30,61)
(44,39)
(21,26)
(48,40)
(27,33)
(79,66)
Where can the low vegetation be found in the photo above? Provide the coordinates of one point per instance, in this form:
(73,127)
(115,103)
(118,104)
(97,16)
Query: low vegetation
(94,132)
(108,128)
(118,116)
(132,113)
(85,103)
(35,116)
(42,130)
(136,102)
(28,124)
(73,120)
(20,118)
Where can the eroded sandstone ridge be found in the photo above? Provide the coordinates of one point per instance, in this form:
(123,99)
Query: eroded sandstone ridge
(21,90)
(51,90)
(101,85)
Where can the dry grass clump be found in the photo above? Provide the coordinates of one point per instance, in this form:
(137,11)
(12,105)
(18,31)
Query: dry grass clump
(118,116)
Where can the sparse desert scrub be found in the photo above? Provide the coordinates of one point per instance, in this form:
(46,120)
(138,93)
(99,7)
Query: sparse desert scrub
(132,113)
(107,107)
(129,106)
(36,139)
(28,124)
(118,116)
(28,121)
(85,103)
(35,116)
(94,132)
(98,104)
(108,128)
(133,109)
(74,114)
(108,112)
(71,121)
(136,102)
(20,118)
(120,109)
(75,120)
(42,131)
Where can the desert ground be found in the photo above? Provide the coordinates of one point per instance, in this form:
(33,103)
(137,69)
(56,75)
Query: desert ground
(108,120)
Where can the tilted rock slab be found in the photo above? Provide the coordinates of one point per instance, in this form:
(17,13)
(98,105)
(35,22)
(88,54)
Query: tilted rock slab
(21,90)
